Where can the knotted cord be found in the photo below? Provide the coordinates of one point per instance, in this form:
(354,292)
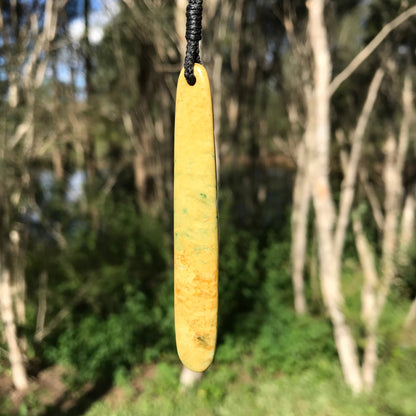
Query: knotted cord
(193,36)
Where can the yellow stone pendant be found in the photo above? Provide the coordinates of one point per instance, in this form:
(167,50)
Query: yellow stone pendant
(195,223)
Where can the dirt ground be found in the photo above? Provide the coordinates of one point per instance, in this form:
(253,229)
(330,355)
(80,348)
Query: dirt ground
(48,386)
(48,394)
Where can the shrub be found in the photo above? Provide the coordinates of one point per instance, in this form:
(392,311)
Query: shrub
(125,312)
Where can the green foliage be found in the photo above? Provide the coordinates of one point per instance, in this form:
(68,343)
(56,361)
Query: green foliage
(229,390)
(253,278)
(287,343)
(124,310)
(295,345)
(239,281)
(391,327)
(397,383)
(97,347)
(231,349)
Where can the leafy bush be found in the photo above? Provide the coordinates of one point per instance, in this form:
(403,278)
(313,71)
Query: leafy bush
(227,390)
(124,313)
(239,283)
(296,345)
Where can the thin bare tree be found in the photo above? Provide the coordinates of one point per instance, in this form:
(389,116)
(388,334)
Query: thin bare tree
(26,45)
(301,194)
(331,225)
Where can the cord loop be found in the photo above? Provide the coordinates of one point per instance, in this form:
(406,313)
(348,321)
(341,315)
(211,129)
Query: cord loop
(193,36)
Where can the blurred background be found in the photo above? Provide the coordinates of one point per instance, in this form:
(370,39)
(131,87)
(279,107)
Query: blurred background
(316,156)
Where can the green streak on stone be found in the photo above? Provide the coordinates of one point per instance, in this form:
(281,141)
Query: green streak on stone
(203,195)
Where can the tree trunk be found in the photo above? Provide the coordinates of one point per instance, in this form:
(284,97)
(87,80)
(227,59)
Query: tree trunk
(351,170)
(90,145)
(18,285)
(300,210)
(16,357)
(189,378)
(314,276)
(369,311)
(318,155)
(407,226)
(18,281)
(140,179)
(30,52)
(217,66)
(395,154)
(42,305)
(375,290)
(393,191)
(372,197)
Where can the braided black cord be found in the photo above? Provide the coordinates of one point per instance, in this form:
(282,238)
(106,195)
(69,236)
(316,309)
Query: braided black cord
(193,36)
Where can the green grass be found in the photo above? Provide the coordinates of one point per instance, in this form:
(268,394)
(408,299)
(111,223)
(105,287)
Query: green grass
(246,390)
